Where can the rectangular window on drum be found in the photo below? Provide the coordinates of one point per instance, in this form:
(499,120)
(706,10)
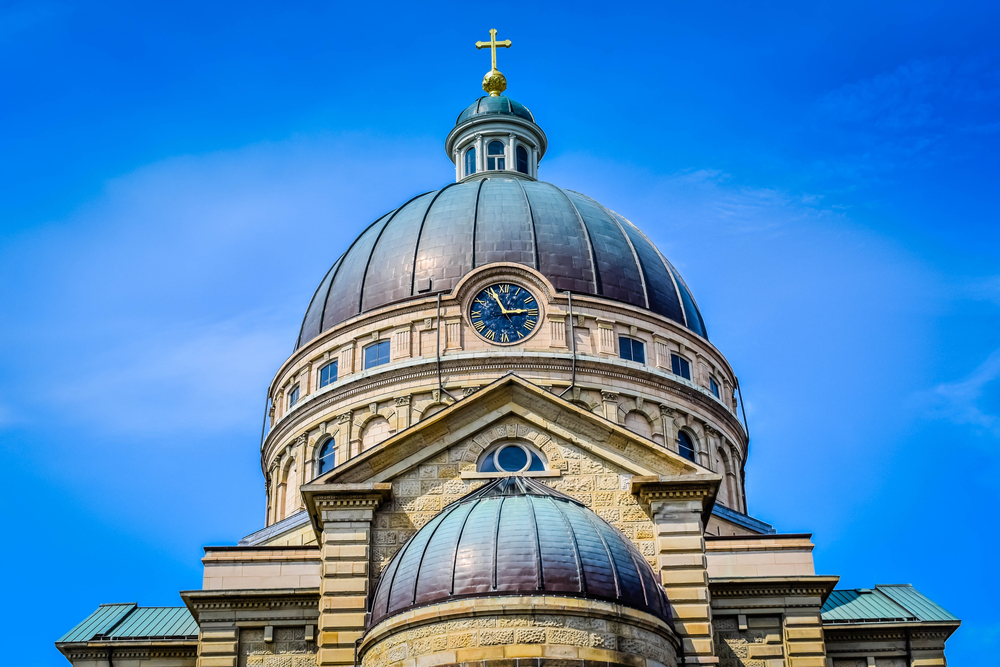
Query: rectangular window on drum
(328,374)
(714,386)
(631,349)
(680,366)
(377,354)
(293,396)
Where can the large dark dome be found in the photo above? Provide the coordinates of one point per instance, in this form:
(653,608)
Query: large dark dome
(516,536)
(432,241)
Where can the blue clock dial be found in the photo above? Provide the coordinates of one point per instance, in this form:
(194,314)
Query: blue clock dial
(504,313)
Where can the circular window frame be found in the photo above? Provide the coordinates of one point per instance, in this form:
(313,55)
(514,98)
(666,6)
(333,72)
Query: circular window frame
(494,453)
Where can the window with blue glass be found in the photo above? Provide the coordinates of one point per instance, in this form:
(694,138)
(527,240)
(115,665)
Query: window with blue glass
(328,374)
(511,457)
(377,354)
(522,159)
(714,386)
(685,446)
(293,396)
(631,349)
(470,161)
(327,457)
(680,366)
(494,156)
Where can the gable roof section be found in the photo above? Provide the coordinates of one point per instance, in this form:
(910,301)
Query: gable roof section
(129,621)
(510,395)
(886,603)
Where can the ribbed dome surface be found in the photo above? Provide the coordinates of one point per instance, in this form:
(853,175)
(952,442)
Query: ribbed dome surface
(433,240)
(499,105)
(516,536)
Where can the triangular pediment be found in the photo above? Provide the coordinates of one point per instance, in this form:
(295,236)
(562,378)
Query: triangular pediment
(512,407)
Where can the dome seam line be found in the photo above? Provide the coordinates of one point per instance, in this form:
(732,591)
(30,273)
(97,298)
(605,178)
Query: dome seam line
(607,550)
(458,543)
(669,268)
(420,233)
(496,545)
(582,576)
(598,285)
(368,262)
(635,255)
(420,561)
(531,221)
(475,221)
(539,577)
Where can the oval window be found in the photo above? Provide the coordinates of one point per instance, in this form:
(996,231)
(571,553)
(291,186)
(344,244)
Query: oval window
(511,458)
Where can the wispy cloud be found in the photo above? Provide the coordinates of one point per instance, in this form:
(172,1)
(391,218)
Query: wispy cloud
(973,400)
(907,113)
(165,304)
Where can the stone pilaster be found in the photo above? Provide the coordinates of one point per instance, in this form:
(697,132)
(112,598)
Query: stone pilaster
(679,507)
(610,401)
(403,412)
(342,516)
(218,644)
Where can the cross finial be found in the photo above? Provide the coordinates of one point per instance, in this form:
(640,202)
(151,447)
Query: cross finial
(494,82)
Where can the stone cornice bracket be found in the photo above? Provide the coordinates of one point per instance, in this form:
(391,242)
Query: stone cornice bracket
(654,491)
(320,497)
(251,601)
(769,587)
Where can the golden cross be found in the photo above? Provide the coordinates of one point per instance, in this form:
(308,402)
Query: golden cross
(493,44)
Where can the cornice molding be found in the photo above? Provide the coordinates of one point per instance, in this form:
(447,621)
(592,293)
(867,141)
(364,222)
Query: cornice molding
(763,587)
(256,601)
(701,487)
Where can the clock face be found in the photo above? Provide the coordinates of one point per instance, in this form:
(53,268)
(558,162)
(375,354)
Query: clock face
(504,313)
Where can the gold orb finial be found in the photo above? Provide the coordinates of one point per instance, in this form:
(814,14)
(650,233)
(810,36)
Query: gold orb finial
(494,82)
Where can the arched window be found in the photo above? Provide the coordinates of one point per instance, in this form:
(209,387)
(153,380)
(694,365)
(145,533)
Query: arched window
(522,159)
(327,457)
(495,148)
(511,457)
(684,446)
(470,161)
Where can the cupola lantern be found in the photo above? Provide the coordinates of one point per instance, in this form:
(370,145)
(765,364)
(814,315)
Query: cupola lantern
(495,133)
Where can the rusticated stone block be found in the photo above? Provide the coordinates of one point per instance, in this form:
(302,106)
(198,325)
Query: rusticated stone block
(494,637)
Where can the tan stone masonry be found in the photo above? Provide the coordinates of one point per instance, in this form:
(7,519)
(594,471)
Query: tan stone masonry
(507,628)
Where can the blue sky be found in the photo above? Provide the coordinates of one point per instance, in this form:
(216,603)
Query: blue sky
(177,178)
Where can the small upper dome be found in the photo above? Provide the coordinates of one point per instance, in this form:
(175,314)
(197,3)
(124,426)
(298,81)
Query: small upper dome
(432,241)
(516,536)
(495,106)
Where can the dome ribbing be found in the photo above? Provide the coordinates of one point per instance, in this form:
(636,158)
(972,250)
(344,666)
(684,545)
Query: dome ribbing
(433,240)
(516,536)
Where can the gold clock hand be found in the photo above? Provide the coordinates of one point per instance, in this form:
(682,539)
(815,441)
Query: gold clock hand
(503,311)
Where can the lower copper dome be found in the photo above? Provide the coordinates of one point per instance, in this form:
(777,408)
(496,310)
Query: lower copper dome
(516,536)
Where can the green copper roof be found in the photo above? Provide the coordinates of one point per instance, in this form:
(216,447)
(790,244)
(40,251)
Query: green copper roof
(116,622)
(883,604)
